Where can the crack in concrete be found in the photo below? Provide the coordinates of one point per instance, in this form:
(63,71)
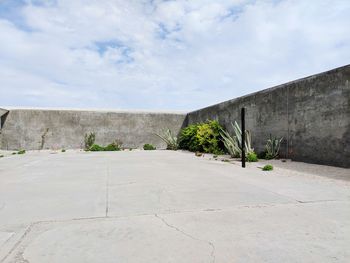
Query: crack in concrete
(30,227)
(212,254)
(316,201)
(15,246)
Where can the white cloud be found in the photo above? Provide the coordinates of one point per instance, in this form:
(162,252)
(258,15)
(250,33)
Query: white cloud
(163,54)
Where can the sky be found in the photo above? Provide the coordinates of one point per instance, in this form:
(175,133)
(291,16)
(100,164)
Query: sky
(162,55)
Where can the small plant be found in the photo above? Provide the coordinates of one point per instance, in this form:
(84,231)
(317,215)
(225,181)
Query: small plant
(252,157)
(268,167)
(1,156)
(63,150)
(148,147)
(89,140)
(273,147)
(21,152)
(198,154)
(13,153)
(169,139)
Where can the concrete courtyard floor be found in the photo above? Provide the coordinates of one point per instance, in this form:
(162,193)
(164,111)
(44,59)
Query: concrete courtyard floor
(165,206)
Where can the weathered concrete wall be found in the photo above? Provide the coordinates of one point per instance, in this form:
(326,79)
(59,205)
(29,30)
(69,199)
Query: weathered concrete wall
(311,114)
(32,129)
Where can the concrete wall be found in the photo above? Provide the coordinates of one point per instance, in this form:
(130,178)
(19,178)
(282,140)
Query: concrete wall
(311,114)
(33,129)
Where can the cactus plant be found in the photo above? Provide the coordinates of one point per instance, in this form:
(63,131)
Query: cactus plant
(233,144)
(273,147)
(169,139)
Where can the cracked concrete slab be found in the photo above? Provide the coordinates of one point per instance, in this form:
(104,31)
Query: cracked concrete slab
(164,206)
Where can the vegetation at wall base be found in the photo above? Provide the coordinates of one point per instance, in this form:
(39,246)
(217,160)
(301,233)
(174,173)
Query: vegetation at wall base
(63,150)
(202,137)
(169,138)
(268,167)
(188,139)
(1,156)
(109,148)
(89,140)
(21,152)
(148,147)
(233,143)
(273,145)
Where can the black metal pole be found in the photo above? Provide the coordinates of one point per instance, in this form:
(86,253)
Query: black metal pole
(243,136)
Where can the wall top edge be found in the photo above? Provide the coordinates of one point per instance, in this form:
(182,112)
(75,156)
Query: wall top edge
(93,110)
(332,71)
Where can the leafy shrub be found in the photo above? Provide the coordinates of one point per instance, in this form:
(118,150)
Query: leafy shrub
(262,155)
(268,167)
(1,156)
(13,153)
(21,152)
(209,138)
(169,139)
(96,148)
(202,137)
(273,147)
(149,147)
(233,144)
(252,157)
(89,140)
(63,150)
(188,139)
(112,147)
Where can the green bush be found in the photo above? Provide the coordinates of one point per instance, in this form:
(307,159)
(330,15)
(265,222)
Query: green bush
(252,157)
(268,167)
(96,148)
(112,147)
(188,139)
(21,152)
(109,148)
(262,155)
(202,137)
(209,138)
(1,156)
(149,147)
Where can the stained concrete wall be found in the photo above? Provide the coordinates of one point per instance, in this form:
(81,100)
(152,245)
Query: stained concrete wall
(33,129)
(311,114)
